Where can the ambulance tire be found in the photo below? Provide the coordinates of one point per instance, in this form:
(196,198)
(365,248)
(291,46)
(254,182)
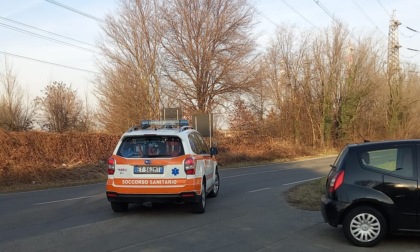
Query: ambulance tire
(213,193)
(119,207)
(200,206)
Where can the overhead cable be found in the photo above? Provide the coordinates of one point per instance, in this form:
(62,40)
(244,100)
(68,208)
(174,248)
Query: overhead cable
(409,28)
(333,17)
(303,17)
(383,7)
(366,15)
(45,37)
(46,62)
(75,10)
(52,33)
(411,49)
(268,19)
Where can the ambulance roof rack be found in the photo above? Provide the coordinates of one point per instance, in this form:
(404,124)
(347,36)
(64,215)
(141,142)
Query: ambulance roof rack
(164,124)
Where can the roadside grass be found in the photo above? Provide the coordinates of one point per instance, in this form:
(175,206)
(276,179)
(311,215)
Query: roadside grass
(41,160)
(306,196)
(54,178)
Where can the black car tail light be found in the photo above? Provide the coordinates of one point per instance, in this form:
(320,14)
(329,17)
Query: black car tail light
(336,181)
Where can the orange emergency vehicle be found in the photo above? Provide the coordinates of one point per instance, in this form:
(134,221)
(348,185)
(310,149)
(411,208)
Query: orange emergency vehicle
(162,161)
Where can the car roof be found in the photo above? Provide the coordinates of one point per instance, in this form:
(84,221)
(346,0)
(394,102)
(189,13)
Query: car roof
(385,142)
(158,132)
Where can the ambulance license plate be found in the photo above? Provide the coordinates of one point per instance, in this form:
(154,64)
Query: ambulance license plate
(148,169)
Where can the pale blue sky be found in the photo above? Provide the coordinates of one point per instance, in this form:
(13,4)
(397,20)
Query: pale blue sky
(359,15)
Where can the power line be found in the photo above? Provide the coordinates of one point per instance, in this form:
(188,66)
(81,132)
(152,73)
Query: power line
(387,13)
(412,56)
(52,33)
(367,16)
(411,49)
(333,17)
(45,37)
(75,10)
(46,62)
(408,36)
(303,17)
(268,19)
(411,29)
(383,8)
(325,10)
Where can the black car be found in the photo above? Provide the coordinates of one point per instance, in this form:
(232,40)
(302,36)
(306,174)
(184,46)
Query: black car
(372,189)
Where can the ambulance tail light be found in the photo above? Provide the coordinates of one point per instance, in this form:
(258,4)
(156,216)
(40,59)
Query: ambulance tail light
(111,166)
(189,166)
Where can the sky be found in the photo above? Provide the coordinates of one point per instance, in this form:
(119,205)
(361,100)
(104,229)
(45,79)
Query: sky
(45,41)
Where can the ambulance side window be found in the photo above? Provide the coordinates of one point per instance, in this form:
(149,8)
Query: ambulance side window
(197,143)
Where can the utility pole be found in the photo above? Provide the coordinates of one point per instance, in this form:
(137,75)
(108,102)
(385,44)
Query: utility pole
(393,51)
(395,110)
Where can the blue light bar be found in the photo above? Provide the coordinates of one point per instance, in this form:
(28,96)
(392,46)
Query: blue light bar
(183,123)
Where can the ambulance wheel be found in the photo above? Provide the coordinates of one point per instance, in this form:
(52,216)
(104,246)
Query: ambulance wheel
(216,186)
(119,207)
(200,206)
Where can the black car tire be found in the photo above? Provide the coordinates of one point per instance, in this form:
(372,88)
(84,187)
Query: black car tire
(364,226)
(200,206)
(119,207)
(216,186)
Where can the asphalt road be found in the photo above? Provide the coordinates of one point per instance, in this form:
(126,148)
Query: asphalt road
(249,214)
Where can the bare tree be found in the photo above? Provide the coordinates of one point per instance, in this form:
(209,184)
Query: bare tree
(407,120)
(173,53)
(88,118)
(129,86)
(209,50)
(324,89)
(359,99)
(17,111)
(61,109)
(287,64)
(243,119)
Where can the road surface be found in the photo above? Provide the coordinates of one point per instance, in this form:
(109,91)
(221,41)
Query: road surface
(249,214)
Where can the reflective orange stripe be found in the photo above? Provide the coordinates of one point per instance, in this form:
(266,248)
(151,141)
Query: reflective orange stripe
(153,186)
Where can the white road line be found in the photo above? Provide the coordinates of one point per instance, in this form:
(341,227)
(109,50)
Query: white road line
(258,190)
(63,200)
(301,181)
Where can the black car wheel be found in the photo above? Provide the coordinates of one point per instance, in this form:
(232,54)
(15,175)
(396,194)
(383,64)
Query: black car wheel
(364,226)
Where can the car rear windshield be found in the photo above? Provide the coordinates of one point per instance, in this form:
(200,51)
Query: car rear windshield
(151,147)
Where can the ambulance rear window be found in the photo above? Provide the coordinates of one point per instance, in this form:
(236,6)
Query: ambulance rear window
(151,147)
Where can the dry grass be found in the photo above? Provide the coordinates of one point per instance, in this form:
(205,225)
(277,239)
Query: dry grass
(38,160)
(306,196)
(251,149)
(59,178)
